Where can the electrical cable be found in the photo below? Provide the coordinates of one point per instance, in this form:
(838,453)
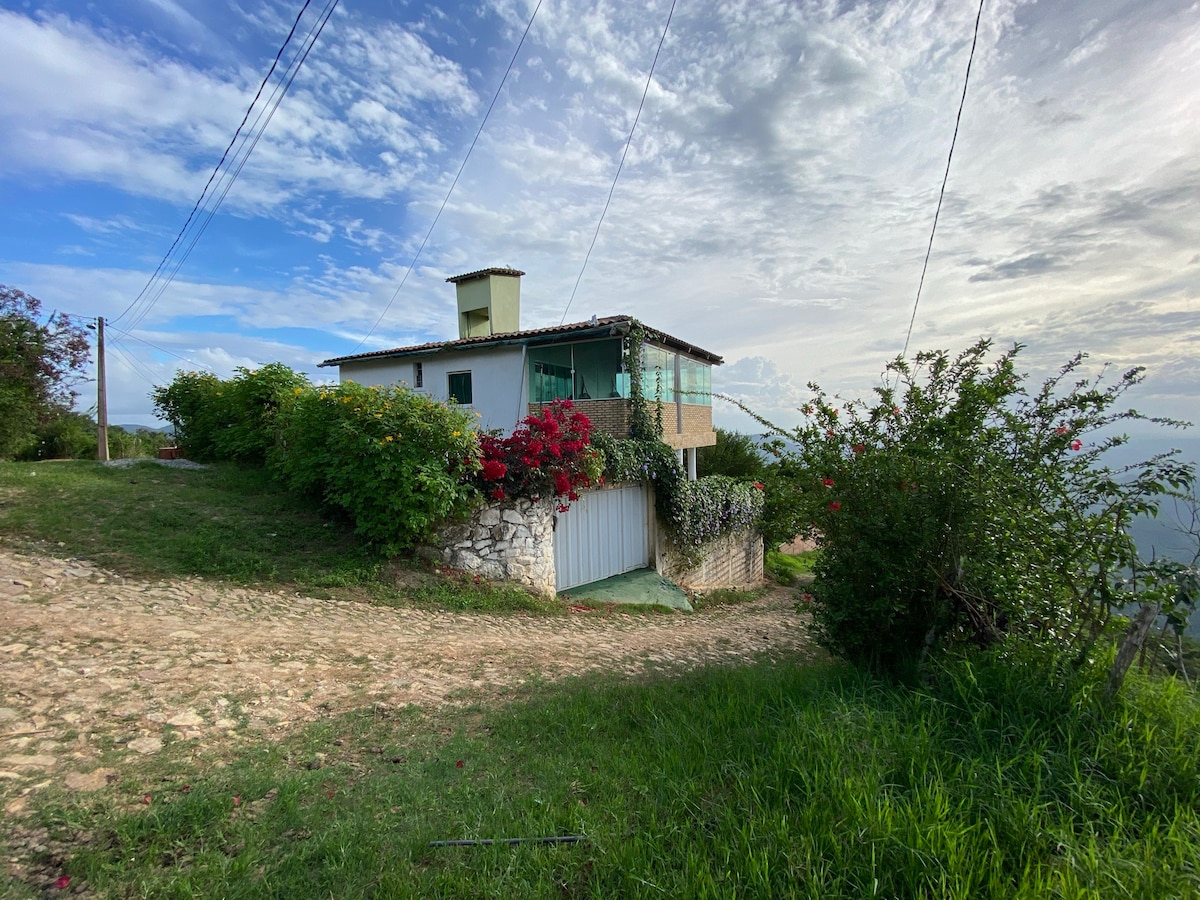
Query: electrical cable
(133,363)
(231,175)
(628,141)
(457,175)
(190,362)
(221,162)
(928,250)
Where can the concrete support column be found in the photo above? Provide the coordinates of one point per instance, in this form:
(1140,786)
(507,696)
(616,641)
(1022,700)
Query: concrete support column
(691,462)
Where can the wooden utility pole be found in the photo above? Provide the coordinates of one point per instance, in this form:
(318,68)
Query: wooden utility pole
(101,395)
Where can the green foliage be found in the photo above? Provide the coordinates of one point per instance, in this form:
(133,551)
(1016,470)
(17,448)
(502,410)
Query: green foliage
(959,506)
(232,419)
(644,424)
(788,568)
(734,455)
(65,435)
(789,780)
(40,362)
(694,513)
(703,510)
(397,462)
(140,444)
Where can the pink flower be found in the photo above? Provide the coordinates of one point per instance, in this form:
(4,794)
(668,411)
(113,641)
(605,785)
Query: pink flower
(1061,429)
(1076,444)
(835,505)
(146,799)
(828,482)
(62,882)
(896,410)
(237,801)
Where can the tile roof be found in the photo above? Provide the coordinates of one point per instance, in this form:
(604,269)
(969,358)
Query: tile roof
(479,273)
(530,336)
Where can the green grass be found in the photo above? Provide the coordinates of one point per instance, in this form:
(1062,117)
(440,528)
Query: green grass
(223,522)
(788,568)
(775,780)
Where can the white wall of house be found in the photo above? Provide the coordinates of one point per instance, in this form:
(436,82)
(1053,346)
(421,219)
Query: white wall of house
(497,380)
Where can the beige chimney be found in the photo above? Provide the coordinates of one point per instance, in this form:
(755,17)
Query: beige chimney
(489,302)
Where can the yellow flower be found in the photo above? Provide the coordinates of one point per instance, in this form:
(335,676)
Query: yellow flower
(457,433)
(379,415)
(298,391)
(388,438)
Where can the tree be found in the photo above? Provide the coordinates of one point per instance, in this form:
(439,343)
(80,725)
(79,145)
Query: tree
(734,455)
(40,362)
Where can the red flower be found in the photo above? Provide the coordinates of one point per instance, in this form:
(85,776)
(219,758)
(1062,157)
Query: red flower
(828,482)
(1061,429)
(835,505)
(896,410)
(497,494)
(146,799)
(494,470)
(1076,444)
(562,483)
(807,410)
(459,764)
(758,485)
(237,801)
(829,432)
(62,882)
(859,448)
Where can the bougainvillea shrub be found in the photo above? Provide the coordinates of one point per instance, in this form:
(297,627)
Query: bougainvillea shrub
(548,455)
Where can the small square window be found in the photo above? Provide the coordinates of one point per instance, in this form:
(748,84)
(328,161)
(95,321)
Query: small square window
(460,388)
(418,375)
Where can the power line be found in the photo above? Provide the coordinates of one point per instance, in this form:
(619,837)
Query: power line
(454,183)
(135,366)
(628,141)
(272,104)
(217,168)
(945,178)
(129,334)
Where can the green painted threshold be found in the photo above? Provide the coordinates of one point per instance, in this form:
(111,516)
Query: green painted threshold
(643,587)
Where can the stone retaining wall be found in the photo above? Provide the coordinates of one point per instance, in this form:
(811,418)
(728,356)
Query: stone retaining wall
(508,541)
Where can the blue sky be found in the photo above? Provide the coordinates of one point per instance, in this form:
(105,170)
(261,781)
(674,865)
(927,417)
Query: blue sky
(774,208)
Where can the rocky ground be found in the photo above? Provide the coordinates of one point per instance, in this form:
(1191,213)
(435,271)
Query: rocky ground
(98,671)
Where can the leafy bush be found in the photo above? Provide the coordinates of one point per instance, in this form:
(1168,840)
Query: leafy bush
(548,455)
(67,435)
(708,508)
(958,505)
(734,455)
(228,420)
(694,513)
(396,461)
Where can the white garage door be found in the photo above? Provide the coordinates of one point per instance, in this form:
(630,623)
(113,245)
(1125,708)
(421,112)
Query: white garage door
(604,533)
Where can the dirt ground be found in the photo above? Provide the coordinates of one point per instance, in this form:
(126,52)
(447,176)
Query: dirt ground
(93,664)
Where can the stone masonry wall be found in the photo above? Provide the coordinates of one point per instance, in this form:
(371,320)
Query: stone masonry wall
(508,541)
(733,561)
